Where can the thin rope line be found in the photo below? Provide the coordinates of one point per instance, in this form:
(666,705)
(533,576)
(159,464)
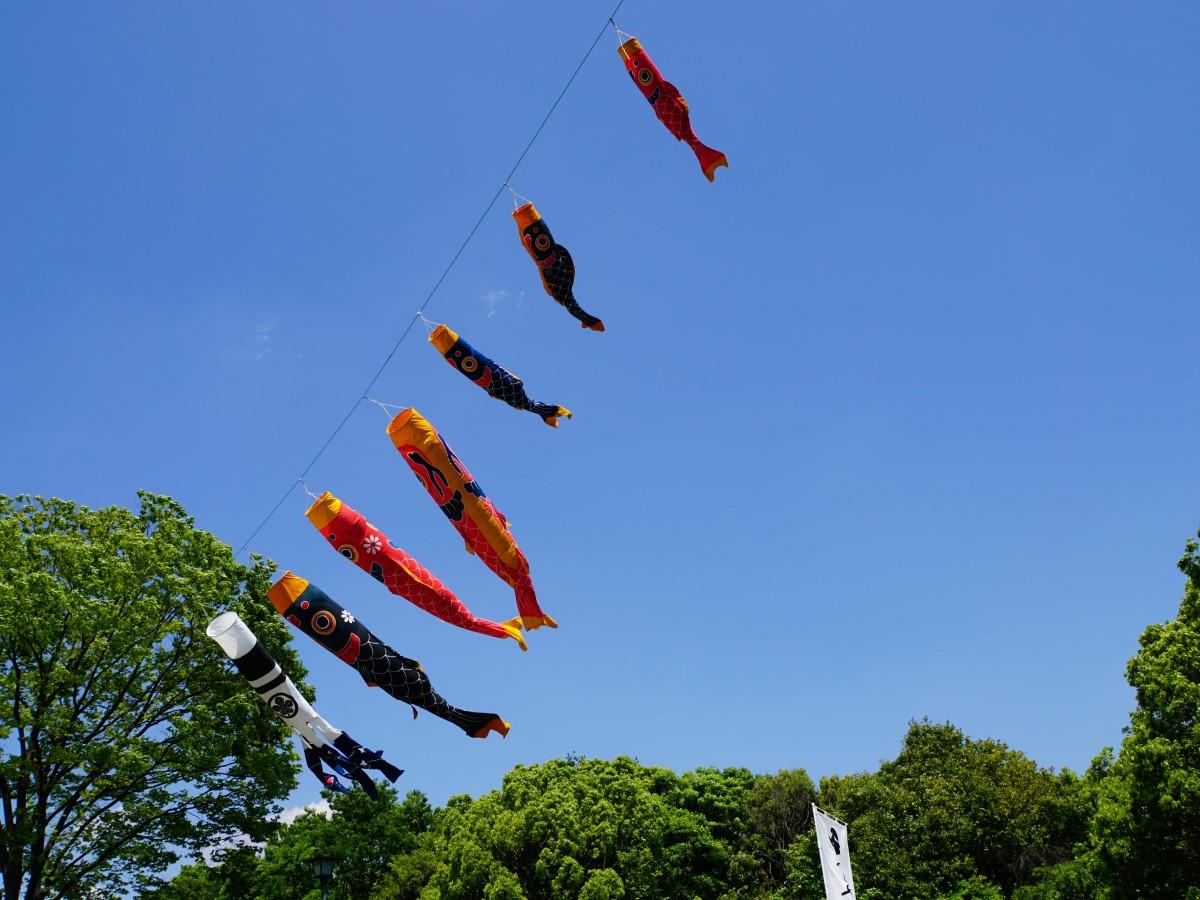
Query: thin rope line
(622,36)
(517,197)
(421,309)
(386,407)
(562,93)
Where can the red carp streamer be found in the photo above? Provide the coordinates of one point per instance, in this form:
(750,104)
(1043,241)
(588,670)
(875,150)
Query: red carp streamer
(348,531)
(472,514)
(669,105)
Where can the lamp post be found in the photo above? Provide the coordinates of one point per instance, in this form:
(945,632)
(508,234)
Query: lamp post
(322,867)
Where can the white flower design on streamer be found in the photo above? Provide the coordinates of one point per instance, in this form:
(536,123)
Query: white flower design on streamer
(372,544)
(347,617)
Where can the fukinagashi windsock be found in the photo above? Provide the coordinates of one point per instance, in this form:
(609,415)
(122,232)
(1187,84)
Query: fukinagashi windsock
(554,263)
(459,496)
(669,105)
(348,531)
(322,742)
(493,378)
(337,630)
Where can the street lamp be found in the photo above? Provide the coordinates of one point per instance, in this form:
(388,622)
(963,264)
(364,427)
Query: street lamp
(322,867)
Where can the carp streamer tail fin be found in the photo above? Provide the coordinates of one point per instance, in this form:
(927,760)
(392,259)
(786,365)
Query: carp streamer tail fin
(531,615)
(497,629)
(512,628)
(550,413)
(710,159)
(477,724)
(359,757)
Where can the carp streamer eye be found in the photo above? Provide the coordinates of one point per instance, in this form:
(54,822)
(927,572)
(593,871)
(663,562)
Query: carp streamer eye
(349,551)
(324,622)
(645,76)
(470,365)
(542,242)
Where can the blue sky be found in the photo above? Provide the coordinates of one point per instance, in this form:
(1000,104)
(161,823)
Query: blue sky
(896,419)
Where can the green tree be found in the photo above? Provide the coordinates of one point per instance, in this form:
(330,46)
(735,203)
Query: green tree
(950,809)
(975,888)
(1146,832)
(235,877)
(1077,878)
(595,828)
(802,878)
(779,812)
(364,834)
(603,884)
(722,798)
(122,733)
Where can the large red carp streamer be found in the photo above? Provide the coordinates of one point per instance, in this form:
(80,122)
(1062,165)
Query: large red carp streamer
(473,515)
(347,531)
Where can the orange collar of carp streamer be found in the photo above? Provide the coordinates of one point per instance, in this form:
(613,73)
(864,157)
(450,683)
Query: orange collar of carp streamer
(286,591)
(443,337)
(526,214)
(323,511)
(415,427)
(630,47)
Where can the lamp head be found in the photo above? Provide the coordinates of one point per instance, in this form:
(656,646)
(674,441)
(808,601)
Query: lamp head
(322,866)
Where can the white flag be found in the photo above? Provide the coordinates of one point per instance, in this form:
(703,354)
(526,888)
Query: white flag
(835,856)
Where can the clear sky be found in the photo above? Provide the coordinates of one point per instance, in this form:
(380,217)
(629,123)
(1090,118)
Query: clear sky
(896,419)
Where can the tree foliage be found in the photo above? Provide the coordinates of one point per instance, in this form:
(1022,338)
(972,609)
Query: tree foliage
(1146,832)
(600,828)
(122,734)
(617,829)
(114,600)
(949,811)
(779,811)
(364,835)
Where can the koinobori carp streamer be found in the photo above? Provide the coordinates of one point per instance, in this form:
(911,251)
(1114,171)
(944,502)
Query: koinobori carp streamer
(322,742)
(668,104)
(492,377)
(462,500)
(554,263)
(348,531)
(337,630)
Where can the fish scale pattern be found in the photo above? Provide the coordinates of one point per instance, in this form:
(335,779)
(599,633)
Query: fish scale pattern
(402,678)
(515,576)
(491,376)
(558,277)
(483,527)
(554,263)
(336,629)
(668,104)
(349,532)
